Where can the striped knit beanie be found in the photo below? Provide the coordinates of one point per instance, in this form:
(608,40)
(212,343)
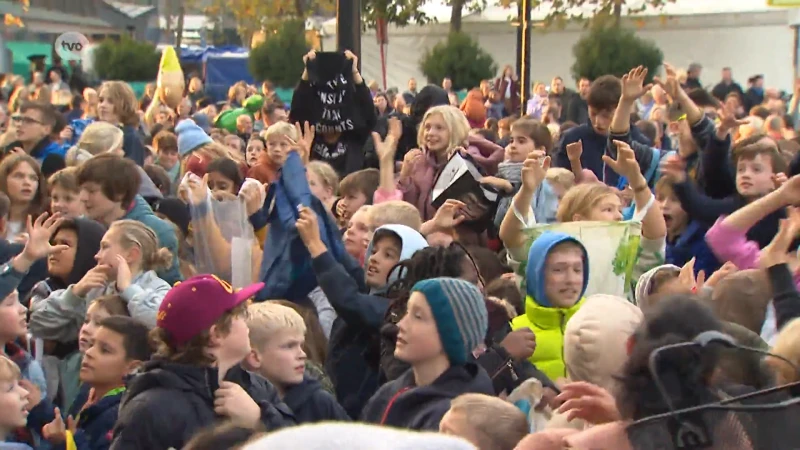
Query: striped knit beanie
(460,314)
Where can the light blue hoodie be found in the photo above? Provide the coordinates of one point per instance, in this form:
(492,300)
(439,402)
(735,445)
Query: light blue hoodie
(411,241)
(537,258)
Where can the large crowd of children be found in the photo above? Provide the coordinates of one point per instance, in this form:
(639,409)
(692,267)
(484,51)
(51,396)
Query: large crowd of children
(281,282)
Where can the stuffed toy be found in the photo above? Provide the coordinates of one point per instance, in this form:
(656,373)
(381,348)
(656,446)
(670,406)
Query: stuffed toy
(170,84)
(226,120)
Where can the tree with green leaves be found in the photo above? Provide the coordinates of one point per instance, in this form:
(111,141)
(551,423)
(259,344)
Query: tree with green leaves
(588,11)
(459,58)
(280,57)
(612,50)
(126,59)
(396,12)
(251,16)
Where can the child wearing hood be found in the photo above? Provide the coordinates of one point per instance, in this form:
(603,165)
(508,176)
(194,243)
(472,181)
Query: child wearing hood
(62,362)
(359,301)
(445,322)
(556,278)
(595,345)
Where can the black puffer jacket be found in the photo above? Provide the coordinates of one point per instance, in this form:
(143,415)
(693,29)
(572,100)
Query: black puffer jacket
(168,403)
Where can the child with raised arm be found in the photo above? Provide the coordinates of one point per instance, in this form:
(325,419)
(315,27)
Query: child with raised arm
(127,260)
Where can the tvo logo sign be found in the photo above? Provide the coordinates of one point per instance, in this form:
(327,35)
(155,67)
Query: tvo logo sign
(71,45)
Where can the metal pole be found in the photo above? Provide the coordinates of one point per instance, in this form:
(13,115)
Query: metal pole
(524,53)
(348,27)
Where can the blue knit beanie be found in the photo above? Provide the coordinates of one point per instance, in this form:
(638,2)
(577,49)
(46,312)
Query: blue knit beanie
(190,136)
(460,313)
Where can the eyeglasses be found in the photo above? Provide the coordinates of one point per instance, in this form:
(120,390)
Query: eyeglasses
(25,119)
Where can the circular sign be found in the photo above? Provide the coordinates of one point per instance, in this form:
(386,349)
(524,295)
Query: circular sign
(71,45)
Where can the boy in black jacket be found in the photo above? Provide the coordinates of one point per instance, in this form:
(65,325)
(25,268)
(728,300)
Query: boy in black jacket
(119,347)
(277,335)
(195,379)
(445,322)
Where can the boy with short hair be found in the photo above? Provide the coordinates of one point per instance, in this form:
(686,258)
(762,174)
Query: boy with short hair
(165,144)
(195,376)
(65,193)
(446,320)
(357,294)
(685,237)
(119,347)
(757,161)
(527,135)
(109,189)
(277,334)
(604,95)
(355,191)
(13,404)
(397,212)
(486,421)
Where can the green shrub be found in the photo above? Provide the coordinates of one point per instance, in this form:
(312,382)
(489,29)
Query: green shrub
(126,60)
(280,57)
(459,58)
(611,50)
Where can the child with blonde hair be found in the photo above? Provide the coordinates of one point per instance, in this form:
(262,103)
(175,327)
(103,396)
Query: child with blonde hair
(99,137)
(14,399)
(277,334)
(395,212)
(485,421)
(279,138)
(323,182)
(560,179)
(126,263)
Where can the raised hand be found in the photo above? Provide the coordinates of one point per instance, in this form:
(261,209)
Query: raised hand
(195,190)
(674,169)
(575,151)
(727,121)
(633,85)
(253,195)
(726,269)
(534,170)
(386,148)
(625,164)
(39,234)
(310,56)
(307,226)
(351,56)
(671,85)
(449,215)
(790,191)
(777,252)
(305,140)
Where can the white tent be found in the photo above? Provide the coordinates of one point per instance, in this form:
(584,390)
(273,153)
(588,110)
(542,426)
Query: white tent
(746,35)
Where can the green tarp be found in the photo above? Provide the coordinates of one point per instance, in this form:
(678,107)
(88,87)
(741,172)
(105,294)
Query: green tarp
(21,50)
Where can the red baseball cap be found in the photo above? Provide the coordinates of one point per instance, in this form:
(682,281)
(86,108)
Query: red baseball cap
(192,306)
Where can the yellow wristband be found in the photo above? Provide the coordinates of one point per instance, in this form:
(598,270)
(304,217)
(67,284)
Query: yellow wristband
(70,440)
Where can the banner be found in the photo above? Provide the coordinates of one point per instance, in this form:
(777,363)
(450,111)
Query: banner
(613,248)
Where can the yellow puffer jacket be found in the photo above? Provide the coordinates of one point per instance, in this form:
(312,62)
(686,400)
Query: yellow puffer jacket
(548,324)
